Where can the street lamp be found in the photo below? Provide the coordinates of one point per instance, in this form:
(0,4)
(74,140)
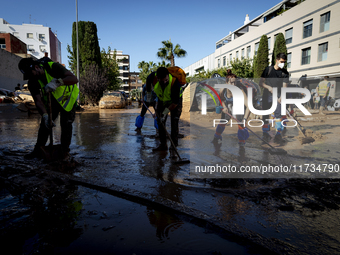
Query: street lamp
(78,76)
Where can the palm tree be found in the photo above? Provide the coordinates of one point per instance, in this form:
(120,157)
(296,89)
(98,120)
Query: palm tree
(146,68)
(159,64)
(168,52)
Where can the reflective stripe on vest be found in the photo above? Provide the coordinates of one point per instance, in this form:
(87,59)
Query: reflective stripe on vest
(165,95)
(66,95)
(323,88)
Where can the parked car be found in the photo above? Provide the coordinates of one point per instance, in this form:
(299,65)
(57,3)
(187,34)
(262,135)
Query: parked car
(128,101)
(112,100)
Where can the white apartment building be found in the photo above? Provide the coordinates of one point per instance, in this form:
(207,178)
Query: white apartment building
(123,61)
(39,39)
(311,30)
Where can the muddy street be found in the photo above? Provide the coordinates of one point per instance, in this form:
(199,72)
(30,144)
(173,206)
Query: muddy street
(116,193)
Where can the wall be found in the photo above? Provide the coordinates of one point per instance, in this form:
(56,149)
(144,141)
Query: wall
(10,75)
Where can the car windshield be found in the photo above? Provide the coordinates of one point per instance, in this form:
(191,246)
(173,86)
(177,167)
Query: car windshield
(115,94)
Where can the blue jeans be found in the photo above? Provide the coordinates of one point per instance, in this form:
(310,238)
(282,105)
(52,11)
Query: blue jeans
(323,101)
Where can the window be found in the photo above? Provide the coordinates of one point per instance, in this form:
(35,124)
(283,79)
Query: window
(41,37)
(307,28)
(322,51)
(289,36)
(269,41)
(324,22)
(289,60)
(236,54)
(256,47)
(30,47)
(224,61)
(248,51)
(275,38)
(230,58)
(219,63)
(242,53)
(42,48)
(306,56)
(30,35)
(2,43)
(201,69)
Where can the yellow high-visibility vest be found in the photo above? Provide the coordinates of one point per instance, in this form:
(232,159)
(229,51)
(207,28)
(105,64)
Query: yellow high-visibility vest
(164,96)
(65,95)
(323,88)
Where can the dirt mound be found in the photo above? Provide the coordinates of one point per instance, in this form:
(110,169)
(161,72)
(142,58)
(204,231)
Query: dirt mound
(310,136)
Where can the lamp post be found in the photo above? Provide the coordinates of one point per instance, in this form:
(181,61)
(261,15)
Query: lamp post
(78,76)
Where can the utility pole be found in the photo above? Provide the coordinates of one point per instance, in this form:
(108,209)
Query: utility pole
(78,76)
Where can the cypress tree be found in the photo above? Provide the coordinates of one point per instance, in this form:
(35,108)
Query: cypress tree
(261,61)
(279,47)
(89,51)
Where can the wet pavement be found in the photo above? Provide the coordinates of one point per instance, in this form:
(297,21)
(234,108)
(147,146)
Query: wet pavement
(280,214)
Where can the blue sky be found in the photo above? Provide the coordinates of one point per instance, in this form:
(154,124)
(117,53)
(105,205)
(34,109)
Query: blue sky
(138,27)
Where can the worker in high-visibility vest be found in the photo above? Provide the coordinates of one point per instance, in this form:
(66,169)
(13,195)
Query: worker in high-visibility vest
(45,76)
(322,91)
(167,89)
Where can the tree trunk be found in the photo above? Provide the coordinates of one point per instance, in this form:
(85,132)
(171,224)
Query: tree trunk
(172,60)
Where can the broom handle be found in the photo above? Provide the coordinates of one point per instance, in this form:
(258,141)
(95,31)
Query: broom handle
(253,133)
(296,121)
(50,118)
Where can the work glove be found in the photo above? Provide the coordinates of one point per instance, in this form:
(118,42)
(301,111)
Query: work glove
(164,114)
(47,121)
(148,97)
(53,85)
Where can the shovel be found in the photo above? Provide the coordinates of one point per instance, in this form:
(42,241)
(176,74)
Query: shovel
(305,139)
(181,160)
(51,152)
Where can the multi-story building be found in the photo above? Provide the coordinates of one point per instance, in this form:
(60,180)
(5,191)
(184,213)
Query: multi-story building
(123,61)
(312,32)
(134,81)
(39,39)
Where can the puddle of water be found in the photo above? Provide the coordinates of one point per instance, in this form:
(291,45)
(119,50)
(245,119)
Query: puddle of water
(112,224)
(106,224)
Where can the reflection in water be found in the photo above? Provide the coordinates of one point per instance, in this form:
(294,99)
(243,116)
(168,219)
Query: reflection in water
(158,165)
(50,221)
(94,129)
(231,207)
(164,223)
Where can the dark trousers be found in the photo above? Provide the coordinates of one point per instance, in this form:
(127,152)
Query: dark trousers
(66,120)
(175,114)
(267,104)
(142,113)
